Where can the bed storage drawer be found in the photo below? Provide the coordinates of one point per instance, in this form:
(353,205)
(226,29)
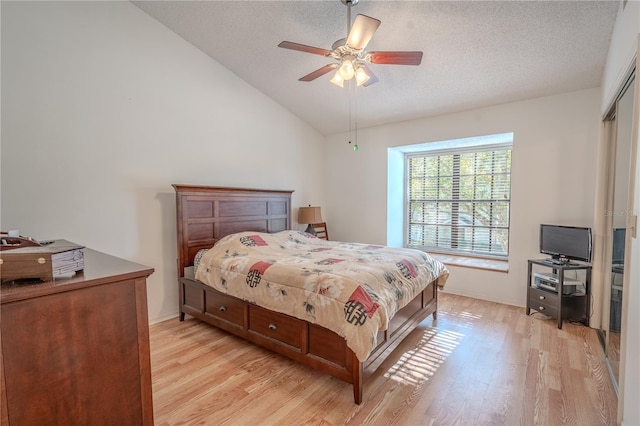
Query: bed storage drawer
(225,308)
(381,339)
(404,314)
(327,345)
(192,296)
(429,293)
(276,326)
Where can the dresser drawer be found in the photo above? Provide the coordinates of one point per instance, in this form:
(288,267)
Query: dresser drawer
(226,308)
(276,326)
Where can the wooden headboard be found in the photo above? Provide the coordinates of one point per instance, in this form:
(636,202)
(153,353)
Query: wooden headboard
(204,214)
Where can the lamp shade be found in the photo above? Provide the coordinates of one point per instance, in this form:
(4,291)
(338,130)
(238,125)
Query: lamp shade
(309,215)
(337,79)
(361,76)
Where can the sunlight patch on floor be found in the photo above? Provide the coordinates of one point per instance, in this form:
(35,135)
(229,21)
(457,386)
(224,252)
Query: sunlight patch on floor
(418,365)
(463,319)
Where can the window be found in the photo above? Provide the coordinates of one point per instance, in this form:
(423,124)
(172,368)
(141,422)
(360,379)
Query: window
(458,197)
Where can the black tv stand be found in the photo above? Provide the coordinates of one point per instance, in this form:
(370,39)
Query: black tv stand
(557,304)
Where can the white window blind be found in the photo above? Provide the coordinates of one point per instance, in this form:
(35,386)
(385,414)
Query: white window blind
(458,200)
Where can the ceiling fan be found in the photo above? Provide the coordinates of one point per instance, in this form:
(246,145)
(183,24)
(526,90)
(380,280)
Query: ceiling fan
(351,55)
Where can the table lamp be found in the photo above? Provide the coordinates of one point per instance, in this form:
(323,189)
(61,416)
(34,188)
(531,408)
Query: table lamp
(309,215)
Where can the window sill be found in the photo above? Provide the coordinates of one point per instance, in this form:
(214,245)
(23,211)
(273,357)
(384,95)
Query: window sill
(495,265)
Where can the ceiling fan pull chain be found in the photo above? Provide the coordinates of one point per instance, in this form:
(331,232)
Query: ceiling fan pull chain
(348,17)
(355,102)
(349,93)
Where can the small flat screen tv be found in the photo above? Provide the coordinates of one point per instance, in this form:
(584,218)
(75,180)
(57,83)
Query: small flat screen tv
(565,243)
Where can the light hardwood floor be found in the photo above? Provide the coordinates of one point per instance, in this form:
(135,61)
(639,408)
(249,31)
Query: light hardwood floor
(480,363)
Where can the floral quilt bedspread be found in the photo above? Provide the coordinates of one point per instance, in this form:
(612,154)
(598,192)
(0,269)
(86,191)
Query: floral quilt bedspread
(352,289)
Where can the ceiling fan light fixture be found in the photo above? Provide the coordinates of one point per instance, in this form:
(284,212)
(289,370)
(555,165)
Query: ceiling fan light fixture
(337,79)
(350,55)
(361,76)
(347,70)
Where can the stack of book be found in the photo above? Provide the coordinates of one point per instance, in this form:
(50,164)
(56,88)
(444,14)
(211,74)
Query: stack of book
(49,260)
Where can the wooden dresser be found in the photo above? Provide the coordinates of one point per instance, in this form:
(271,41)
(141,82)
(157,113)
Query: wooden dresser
(75,351)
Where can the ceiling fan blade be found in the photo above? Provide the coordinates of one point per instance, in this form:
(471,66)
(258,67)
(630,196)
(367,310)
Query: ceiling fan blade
(319,72)
(372,77)
(304,48)
(395,58)
(361,32)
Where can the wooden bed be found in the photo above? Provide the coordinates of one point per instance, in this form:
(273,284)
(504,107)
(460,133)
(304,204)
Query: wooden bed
(204,215)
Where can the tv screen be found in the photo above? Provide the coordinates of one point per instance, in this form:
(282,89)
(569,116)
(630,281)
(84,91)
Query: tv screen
(566,243)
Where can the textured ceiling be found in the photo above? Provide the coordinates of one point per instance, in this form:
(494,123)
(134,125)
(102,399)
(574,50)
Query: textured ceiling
(476,53)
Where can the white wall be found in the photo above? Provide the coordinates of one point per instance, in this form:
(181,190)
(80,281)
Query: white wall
(553,176)
(103,109)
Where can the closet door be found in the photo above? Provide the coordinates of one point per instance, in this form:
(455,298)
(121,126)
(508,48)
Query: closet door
(621,150)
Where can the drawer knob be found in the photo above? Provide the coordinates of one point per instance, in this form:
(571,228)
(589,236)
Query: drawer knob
(272,326)
(541,308)
(223,308)
(542,297)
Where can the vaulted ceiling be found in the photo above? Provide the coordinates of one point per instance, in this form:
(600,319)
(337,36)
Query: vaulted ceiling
(476,53)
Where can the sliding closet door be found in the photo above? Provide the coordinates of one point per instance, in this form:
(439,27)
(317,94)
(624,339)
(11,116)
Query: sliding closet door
(617,222)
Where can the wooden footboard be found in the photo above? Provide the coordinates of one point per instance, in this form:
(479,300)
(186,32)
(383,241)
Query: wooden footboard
(204,215)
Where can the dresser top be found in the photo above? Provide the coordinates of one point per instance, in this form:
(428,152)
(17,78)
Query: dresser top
(99,269)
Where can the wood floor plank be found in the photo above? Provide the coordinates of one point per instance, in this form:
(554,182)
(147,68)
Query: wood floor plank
(480,363)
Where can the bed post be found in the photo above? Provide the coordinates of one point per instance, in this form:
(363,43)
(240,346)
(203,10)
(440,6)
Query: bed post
(356,372)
